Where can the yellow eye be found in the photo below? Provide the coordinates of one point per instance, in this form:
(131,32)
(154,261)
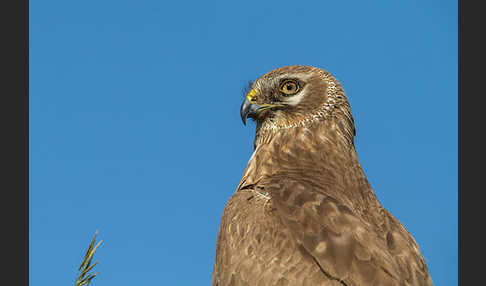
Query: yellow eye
(289,87)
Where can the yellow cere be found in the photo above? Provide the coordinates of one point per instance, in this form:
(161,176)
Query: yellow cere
(251,95)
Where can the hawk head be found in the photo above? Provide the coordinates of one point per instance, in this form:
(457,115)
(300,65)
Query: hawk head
(294,96)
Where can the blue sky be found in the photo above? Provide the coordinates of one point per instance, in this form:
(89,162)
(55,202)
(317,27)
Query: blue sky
(135,128)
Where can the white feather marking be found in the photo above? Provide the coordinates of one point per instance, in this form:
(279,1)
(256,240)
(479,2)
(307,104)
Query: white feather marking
(296,99)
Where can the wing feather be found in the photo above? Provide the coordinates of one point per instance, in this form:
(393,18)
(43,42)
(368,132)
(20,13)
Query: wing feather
(346,247)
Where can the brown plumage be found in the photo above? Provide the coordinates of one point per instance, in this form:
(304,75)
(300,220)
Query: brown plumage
(304,212)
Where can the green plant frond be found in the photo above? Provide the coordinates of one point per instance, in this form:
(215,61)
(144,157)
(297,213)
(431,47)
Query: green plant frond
(88,269)
(94,249)
(87,280)
(88,252)
(84,277)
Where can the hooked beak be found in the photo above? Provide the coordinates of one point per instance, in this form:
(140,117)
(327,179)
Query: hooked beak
(248,109)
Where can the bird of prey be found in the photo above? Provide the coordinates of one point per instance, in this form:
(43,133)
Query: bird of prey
(304,212)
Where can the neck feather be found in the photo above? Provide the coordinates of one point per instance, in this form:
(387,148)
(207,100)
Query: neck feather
(321,150)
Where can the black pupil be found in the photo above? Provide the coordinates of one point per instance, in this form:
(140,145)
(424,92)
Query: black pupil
(289,87)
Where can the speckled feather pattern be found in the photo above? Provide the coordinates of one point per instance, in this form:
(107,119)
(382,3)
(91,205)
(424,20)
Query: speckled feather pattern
(304,212)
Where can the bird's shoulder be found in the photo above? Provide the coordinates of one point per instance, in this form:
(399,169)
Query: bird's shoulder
(344,241)
(254,248)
